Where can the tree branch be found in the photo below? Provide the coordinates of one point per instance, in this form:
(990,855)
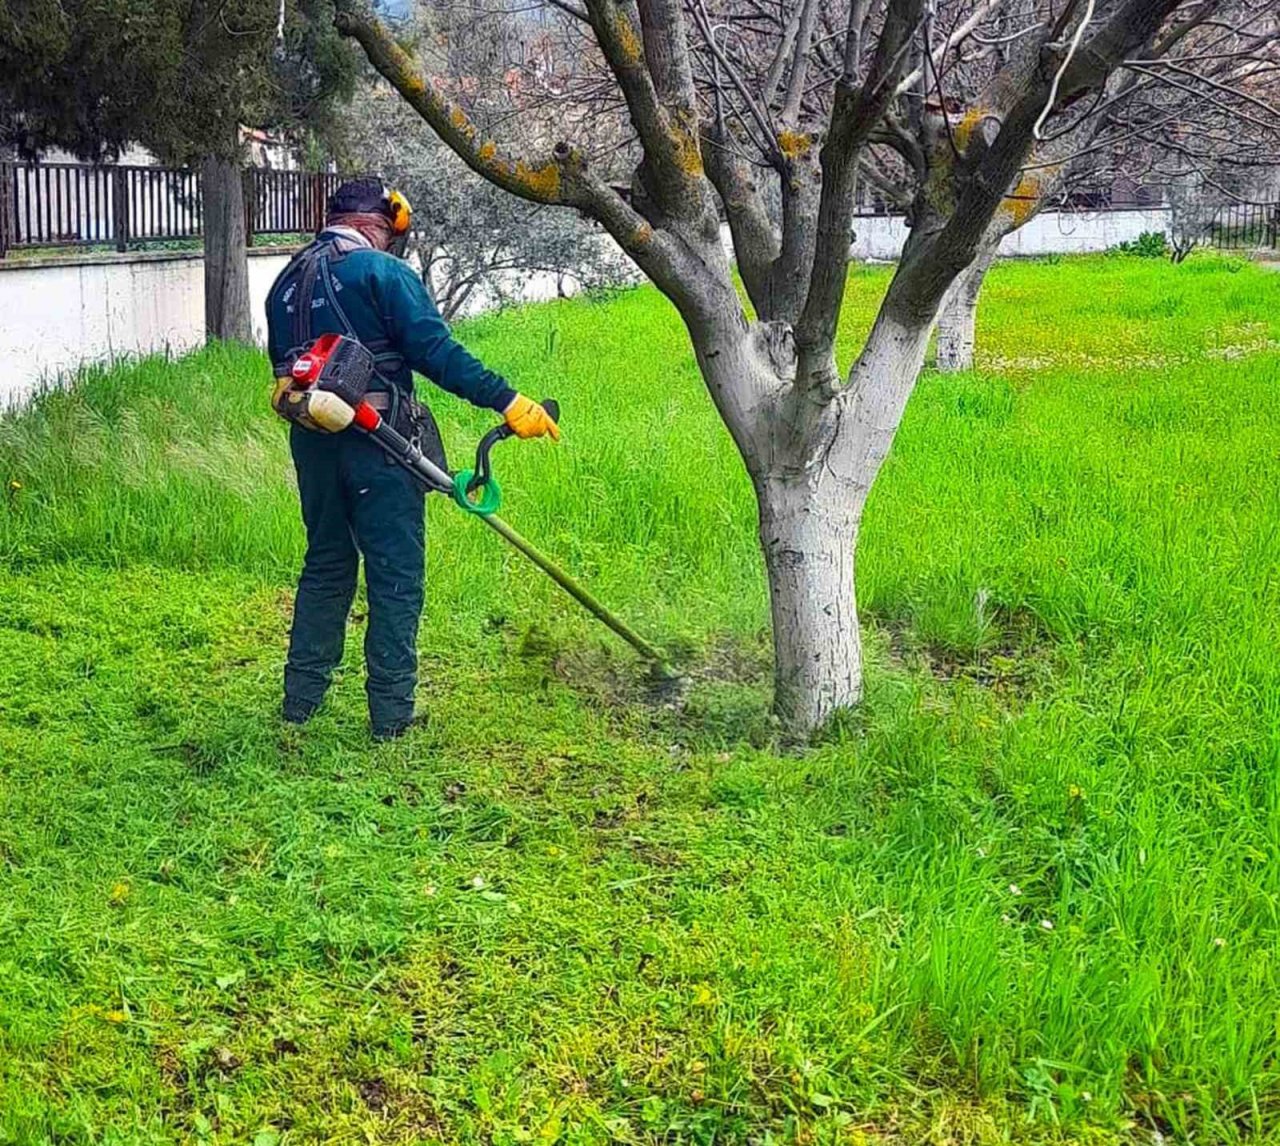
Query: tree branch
(754,241)
(773,77)
(571,9)
(981,14)
(564,179)
(666,51)
(1226,89)
(758,111)
(932,260)
(854,115)
(672,170)
(538,182)
(799,64)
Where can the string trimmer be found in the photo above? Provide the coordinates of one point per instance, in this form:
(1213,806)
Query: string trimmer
(327,391)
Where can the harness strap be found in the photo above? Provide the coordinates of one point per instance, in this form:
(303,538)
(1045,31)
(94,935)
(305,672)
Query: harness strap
(314,260)
(314,270)
(302,300)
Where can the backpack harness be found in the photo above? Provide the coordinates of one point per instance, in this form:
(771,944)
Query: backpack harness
(401,410)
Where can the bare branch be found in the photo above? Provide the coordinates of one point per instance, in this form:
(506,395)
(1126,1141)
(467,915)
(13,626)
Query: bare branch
(758,112)
(673,171)
(1226,89)
(854,116)
(666,53)
(562,179)
(571,9)
(935,257)
(1052,99)
(799,63)
(773,78)
(538,182)
(984,12)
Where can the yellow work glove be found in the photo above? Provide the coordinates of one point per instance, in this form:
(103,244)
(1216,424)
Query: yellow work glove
(529,420)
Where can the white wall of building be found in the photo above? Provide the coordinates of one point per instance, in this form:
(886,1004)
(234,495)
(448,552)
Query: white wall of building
(1064,233)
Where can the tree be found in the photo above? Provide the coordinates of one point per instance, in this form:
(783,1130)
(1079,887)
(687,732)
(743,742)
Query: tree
(721,99)
(1192,209)
(1194,118)
(180,77)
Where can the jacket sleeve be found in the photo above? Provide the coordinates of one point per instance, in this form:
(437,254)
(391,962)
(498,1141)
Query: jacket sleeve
(422,336)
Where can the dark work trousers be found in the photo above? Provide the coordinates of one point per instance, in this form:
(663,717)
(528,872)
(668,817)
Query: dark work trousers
(355,502)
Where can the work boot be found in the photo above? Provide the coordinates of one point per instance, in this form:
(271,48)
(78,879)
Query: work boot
(295,711)
(394,731)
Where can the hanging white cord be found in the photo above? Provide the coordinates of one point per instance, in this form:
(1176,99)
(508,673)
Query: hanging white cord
(1066,63)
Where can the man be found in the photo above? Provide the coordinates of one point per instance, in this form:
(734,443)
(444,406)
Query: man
(355,501)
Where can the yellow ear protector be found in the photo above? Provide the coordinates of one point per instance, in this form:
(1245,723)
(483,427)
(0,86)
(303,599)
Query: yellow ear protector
(400,212)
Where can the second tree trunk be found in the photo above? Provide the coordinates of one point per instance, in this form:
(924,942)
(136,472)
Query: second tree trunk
(227,312)
(957,321)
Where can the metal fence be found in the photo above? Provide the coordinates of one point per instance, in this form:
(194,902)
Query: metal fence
(1245,226)
(52,205)
(286,202)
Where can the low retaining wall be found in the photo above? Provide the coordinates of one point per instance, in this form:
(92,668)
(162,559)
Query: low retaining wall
(881,237)
(57,315)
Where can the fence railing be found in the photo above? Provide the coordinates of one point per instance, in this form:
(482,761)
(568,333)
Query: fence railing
(52,205)
(1245,226)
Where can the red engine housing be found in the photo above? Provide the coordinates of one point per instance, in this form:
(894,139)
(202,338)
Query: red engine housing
(333,362)
(310,364)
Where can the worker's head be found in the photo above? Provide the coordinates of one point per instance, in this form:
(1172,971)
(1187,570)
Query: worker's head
(369,206)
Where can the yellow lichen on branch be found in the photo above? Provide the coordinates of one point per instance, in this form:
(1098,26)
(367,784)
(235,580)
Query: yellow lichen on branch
(461,123)
(1025,199)
(963,130)
(542,181)
(794,144)
(629,44)
(688,153)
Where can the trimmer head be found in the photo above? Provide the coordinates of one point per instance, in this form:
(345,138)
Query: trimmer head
(665,685)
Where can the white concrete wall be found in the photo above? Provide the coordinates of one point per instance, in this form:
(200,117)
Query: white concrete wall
(56,316)
(1067,233)
(1077,233)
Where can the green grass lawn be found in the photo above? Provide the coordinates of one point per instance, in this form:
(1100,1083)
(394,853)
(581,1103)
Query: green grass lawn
(1029,894)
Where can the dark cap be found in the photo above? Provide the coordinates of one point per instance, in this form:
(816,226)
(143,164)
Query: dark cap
(366,194)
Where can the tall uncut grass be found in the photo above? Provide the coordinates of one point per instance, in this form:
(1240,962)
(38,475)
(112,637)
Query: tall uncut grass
(1028,893)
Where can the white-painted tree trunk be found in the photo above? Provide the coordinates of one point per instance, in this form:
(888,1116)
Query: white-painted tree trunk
(957,320)
(879,386)
(808,531)
(813,459)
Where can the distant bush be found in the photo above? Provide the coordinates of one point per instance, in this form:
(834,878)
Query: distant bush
(1148,245)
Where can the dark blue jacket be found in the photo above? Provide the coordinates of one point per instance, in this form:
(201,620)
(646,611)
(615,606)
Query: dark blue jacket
(390,311)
